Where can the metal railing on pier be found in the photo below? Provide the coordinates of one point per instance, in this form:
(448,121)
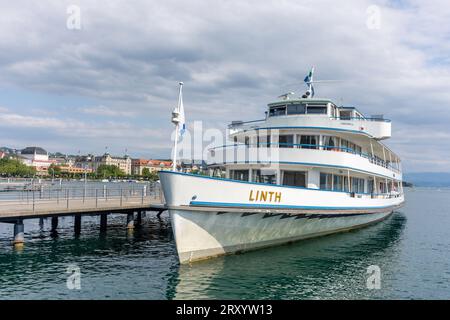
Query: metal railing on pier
(50,197)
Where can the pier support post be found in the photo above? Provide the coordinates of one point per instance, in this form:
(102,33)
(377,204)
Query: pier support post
(54,224)
(41,223)
(158,215)
(18,233)
(77,224)
(103,221)
(130,221)
(139,218)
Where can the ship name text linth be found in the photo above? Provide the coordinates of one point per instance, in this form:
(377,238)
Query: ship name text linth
(264,196)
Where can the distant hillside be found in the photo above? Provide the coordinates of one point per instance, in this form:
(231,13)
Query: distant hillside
(428,179)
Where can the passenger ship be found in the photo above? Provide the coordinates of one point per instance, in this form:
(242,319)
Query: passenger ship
(309,168)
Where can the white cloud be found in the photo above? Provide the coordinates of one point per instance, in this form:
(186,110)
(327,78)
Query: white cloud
(102,110)
(234,57)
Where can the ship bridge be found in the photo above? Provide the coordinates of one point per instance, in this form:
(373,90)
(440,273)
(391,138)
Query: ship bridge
(313,113)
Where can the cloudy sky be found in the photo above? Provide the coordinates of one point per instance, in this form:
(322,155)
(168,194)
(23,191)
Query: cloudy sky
(111,80)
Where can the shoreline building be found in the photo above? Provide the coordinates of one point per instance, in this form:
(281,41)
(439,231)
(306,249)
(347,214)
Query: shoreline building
(123,163)
(72,169)
(85,162)
(36,157)
(138,165)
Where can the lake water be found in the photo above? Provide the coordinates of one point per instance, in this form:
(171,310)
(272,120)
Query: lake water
(412,249)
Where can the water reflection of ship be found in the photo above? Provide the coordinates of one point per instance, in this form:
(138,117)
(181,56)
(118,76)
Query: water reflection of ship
(328,267)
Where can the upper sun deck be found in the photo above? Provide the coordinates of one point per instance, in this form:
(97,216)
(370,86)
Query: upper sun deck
(313,113)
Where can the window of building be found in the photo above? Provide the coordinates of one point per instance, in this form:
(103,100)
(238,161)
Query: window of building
(239,175)
(297,108)
(294,178)
(309,142)
(316,109)
(286,141)
(277,111)
(326,181)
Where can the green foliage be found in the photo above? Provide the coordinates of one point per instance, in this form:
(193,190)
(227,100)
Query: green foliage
(146,173)
(107,171)
(12,167)
(54,170)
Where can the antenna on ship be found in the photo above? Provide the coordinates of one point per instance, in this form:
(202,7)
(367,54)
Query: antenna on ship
(309,80)
(285,96)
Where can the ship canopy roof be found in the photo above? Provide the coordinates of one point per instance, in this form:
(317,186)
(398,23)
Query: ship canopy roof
(302,100)
(312,102)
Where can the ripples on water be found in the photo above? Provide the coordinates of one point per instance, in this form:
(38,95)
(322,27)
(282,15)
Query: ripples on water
(411,247)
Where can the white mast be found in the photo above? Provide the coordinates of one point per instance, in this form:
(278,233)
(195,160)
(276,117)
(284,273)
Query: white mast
(177,117)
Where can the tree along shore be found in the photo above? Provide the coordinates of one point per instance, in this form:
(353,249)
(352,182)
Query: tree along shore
(12,168)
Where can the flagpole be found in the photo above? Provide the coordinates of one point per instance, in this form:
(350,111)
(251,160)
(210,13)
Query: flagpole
(176,121)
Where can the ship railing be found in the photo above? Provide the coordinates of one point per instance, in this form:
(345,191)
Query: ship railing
(236,124)
(362,119)
(390,195)
(372,159)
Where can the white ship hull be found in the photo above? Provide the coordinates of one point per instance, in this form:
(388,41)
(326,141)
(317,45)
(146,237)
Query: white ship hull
(212,217)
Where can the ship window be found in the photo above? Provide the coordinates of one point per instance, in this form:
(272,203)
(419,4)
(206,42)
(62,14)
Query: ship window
(277,111)
(344,144)
(265,177)
(345,115)
(337,183)
(370,186)
(357,185)
(351,147)
(286,141)
(330,143)
(325,181)
(296,108)
(345,184)
(309,142)
(239,175)
(264,141)
(316,109)
(294,178)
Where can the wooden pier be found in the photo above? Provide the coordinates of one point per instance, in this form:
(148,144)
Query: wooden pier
(97,202)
